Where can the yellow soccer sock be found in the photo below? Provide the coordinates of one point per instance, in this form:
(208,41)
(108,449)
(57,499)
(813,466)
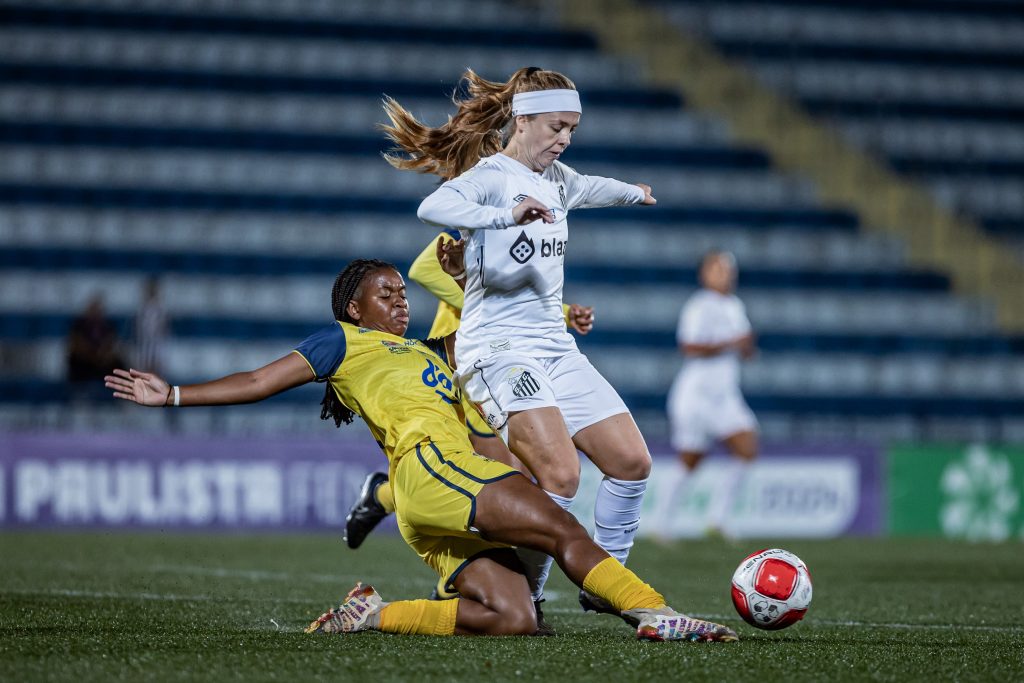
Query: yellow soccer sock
(623,589)
(423,617)
(385,496)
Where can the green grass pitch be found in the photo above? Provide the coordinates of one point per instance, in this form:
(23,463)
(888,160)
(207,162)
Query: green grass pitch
(121,606)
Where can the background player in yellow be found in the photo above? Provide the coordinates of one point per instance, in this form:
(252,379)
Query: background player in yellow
(374,501)
(459,511)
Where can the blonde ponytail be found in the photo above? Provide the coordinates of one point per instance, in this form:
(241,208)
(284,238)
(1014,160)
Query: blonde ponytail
(475,131)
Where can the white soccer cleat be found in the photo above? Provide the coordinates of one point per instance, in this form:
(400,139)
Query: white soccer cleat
(667,624)
(361,603)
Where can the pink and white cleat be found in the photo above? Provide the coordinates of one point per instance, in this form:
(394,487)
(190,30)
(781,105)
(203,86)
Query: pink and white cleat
(667,624)
(356,612)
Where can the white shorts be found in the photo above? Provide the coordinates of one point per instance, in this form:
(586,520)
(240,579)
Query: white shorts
(698,419)
(508,382)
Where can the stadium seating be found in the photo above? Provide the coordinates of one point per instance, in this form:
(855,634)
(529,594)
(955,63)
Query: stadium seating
(230,148)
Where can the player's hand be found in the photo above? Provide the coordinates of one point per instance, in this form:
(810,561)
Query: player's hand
(143,388)
(747,345)
(581,318)
(451,254)
(529,210)
(648,197)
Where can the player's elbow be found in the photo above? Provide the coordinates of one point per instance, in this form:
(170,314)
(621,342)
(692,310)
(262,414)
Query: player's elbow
(416,271)
(257,386)
(693,350)
(427,211)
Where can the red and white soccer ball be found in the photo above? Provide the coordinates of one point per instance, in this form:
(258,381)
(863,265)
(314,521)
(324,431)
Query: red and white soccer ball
(771,589)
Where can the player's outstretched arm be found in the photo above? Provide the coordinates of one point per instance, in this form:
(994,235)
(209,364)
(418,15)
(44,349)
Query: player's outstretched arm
(148,389)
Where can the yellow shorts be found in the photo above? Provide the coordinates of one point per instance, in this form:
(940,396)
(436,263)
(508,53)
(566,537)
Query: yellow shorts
(435,504)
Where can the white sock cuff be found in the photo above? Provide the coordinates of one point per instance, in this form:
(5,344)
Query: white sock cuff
(620,488)
(562,501)
(636,484)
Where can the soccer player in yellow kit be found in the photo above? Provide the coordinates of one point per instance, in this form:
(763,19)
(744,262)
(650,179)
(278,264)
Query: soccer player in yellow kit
(374,502)
(459,511)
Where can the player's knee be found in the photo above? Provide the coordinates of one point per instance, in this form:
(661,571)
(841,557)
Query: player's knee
(566,530)
(562,480)
(635,467)
(690,459)
(517,619)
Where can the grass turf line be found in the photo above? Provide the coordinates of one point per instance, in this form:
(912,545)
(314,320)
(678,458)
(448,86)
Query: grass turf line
(122,606)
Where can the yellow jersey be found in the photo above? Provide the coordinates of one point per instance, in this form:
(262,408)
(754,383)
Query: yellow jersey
(402,388)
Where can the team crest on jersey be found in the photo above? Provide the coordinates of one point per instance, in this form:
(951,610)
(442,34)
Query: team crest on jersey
(554,214)
(522,382)
(561,194)
(522,249)
(395,347)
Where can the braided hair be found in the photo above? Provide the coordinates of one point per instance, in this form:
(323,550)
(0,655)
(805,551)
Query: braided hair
(346,285)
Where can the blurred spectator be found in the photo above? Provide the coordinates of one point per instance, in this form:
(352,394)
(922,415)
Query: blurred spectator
(150,329)
(93,350)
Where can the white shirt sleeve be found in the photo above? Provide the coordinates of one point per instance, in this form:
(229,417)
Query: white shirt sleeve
(742,321)
(467,202)
(592,191)
(693,323)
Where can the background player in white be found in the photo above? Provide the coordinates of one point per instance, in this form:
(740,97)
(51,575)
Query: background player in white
(508,194)
(705,404)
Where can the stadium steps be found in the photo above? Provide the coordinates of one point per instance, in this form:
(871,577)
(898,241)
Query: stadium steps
(843,175)
(150,138)
(35,391)
(160,262)
(228,25)
(22,328)
(72,196)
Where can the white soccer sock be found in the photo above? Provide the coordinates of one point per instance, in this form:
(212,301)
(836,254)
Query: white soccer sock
(668,501)
(536,563)
(617,515)
(725,493)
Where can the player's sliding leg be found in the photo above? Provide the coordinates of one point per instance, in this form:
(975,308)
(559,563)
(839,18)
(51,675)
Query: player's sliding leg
(374,503)
(494,600)
(496,596)
(514,511)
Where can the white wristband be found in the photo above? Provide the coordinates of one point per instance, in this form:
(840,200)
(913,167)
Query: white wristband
(177,395)
(459,276)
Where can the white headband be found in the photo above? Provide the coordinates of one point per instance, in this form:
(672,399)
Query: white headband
(544,101)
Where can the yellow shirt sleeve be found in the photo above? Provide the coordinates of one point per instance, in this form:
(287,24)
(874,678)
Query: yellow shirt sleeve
(426,271)
(565,315)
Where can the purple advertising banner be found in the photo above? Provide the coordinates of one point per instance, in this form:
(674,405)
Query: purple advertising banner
(309,483)
(178,482)
(791,490)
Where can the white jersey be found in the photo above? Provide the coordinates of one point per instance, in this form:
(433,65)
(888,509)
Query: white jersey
(515,273)
(712,318)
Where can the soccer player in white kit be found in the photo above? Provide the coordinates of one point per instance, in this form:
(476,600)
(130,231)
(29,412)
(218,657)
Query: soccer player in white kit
(508,194)
(705,404)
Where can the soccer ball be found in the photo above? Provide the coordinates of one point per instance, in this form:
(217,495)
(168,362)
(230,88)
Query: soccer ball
(771,589)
